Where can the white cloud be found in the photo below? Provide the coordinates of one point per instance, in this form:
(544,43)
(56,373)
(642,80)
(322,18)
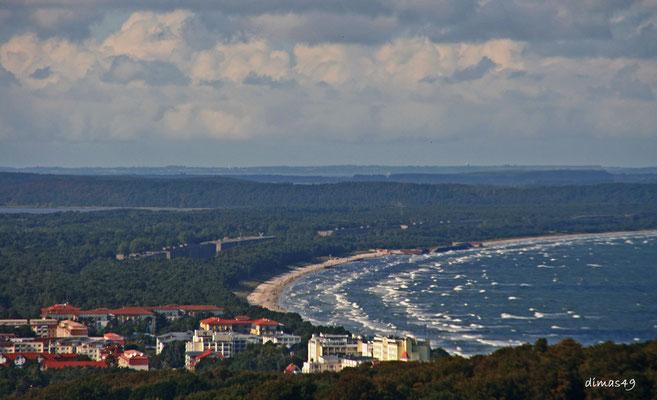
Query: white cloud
(150,80)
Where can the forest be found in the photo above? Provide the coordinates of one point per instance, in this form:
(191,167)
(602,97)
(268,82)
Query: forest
(214,192)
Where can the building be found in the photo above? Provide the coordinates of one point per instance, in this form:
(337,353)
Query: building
(60,312)
(225,343)
(194,357)
(292,369)
(170,311)
(134,314)
(325,344)
(113,337)
(335,363)
(42,327)
(242,324)
(68,328)
(400,349)
(165,339)
(23,345)
(282,339)
(133,359)
(97,318)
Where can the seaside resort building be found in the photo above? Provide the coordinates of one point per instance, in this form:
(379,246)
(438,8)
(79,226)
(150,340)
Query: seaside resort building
(335,352)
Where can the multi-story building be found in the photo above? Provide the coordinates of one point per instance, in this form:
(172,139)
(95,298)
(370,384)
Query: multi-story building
(225,343)
(60,312)
(165,339)
(282,339)
(325,344)
(97,318)
(68,328)
(400,349)
(23,345)
(134,359)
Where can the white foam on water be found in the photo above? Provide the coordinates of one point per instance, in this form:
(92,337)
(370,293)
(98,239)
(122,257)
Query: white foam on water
(512,298)
(511,316)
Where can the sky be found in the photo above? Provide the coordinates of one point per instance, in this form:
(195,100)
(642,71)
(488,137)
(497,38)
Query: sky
(314,82)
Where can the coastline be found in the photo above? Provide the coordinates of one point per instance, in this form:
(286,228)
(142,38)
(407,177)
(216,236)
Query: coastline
(267,293)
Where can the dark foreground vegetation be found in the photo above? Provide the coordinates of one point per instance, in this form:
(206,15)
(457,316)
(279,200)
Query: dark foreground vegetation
(562,371)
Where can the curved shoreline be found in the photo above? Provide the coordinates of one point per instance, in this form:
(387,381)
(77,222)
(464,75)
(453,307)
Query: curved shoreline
(267,293)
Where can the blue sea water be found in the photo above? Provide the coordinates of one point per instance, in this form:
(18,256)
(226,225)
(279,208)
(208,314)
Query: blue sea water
(592,289)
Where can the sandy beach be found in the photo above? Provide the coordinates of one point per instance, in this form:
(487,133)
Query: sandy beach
(267,293)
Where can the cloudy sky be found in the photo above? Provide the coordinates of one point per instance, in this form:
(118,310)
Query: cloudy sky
(315,82)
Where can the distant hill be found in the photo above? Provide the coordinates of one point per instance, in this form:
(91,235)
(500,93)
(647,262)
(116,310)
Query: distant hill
(214,192)
(470,175)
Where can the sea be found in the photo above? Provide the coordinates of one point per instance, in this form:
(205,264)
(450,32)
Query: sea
(593,289)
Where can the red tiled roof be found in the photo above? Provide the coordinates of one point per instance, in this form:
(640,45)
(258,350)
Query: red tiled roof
(101,310)
(55,364)
(265,322)
(200,308)
(291,368)
(210,353)
(167,307)
(60,309)
(113,336)
(242,317)
(130,311)
(219,321)
(138,360)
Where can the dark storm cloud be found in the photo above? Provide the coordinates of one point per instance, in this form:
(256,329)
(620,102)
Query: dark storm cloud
(571,28)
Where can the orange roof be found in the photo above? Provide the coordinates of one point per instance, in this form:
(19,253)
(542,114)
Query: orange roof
(242,317)
(219,321)
(167,307)
(200,308)
(130,311)
(113,336)
(265,322)
(60,309)
(55,364)
(291,368)
(101,310)
(210,353)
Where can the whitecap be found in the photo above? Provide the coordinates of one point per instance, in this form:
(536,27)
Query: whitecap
(512,298)
(511,316)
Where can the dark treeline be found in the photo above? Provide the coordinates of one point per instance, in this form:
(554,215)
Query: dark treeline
(534,371)
(213,192)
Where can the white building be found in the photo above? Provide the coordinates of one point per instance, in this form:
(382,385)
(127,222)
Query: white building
(170,337)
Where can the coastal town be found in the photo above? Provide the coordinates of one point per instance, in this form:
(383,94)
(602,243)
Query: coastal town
(61,339)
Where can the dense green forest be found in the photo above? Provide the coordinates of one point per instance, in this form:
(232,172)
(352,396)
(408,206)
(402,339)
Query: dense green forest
(561,371)
(213,192)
